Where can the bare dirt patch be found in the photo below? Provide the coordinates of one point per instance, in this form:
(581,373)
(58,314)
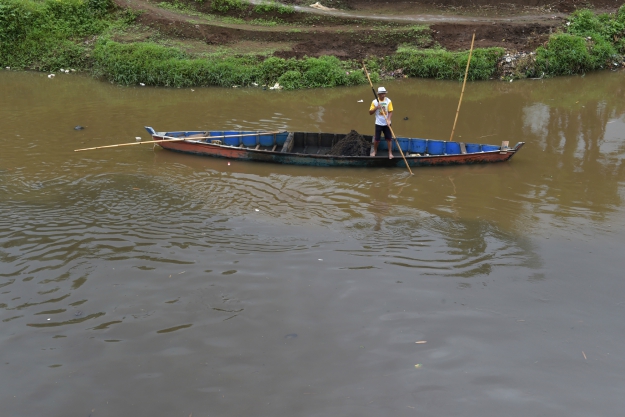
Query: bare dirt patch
(353,35)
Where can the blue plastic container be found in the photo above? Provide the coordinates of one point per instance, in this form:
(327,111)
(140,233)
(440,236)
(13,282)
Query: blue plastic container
(215,133)
(404,143)
(436,147)
(265,140)
(487,148)
(418,145)
(452,148)
(281,138)
(473,147)
(249,140)
(234,141)
(382,145)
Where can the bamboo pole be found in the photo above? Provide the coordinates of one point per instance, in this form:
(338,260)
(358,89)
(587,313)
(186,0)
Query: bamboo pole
(387,121)
(175,140)
(466,72)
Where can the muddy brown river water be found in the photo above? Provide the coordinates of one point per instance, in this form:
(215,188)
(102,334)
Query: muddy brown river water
(140,282)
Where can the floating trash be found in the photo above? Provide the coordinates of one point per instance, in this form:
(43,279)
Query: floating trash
(418,365)
(79,127)
(142,85)
(359,101)
(50,75)
(138,138)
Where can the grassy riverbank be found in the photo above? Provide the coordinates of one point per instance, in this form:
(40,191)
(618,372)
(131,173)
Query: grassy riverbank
(101,38)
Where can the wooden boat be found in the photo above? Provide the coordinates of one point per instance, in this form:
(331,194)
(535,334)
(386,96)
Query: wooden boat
(305,148)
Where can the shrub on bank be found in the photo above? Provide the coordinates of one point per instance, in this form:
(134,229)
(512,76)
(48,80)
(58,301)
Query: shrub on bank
(41,35)
(157,65)
(592,41)
(442,64)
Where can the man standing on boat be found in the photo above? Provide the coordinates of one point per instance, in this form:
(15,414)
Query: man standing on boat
(382,107)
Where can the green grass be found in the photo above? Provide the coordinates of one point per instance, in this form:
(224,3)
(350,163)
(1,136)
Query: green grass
(592,41)
(50,34)
(273,6)
(225,6)
(156,65)
(442,64)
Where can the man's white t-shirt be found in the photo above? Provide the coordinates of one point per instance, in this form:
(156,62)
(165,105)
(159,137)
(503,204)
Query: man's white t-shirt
(386,105)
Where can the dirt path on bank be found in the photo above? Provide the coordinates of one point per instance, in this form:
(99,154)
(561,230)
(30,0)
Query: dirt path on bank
(358,29)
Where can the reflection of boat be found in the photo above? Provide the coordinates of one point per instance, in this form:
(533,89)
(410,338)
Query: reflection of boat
(303,148)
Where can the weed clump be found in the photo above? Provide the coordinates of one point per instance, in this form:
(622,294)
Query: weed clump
(442,64)
(591,42)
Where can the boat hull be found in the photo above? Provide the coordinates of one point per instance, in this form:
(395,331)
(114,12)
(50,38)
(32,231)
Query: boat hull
(218,150)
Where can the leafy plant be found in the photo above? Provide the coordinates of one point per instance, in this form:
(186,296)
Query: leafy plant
(225,6)
(272,6)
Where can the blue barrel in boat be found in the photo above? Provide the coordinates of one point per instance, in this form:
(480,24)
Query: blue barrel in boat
(403,142)
(281,138)
(418,145)
(248,140)
(487,148)
(231,141)
(382,145)
(452,148)
(473,147)
(215,133)
(436,147)
(265,140)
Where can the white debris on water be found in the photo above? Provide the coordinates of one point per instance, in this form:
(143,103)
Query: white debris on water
(50,75)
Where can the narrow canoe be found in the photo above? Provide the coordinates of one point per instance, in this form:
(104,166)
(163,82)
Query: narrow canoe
(305,148)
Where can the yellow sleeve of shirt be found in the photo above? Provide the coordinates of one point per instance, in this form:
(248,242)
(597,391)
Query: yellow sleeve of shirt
(390,106)
(372,105)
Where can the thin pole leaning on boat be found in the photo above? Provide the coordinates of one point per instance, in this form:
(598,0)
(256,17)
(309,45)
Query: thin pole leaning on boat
(388,123)
(466,72)
(175,140)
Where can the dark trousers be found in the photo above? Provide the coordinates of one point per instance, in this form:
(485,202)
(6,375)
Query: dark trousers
(387,132)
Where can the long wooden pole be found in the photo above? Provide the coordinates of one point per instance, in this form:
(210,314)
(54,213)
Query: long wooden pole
(388,123)
(466,72)
(174,140)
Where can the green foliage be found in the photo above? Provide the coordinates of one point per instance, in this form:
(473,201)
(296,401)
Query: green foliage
(46,34)
(291,80)
(567,54)
(603,27)
(175,5)
(272,6)
(154,64)
(442,64)
(225,6)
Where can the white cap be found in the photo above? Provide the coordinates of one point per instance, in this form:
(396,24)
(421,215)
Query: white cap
(381,90)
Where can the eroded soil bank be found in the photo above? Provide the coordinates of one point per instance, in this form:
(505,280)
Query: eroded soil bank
(350,29)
